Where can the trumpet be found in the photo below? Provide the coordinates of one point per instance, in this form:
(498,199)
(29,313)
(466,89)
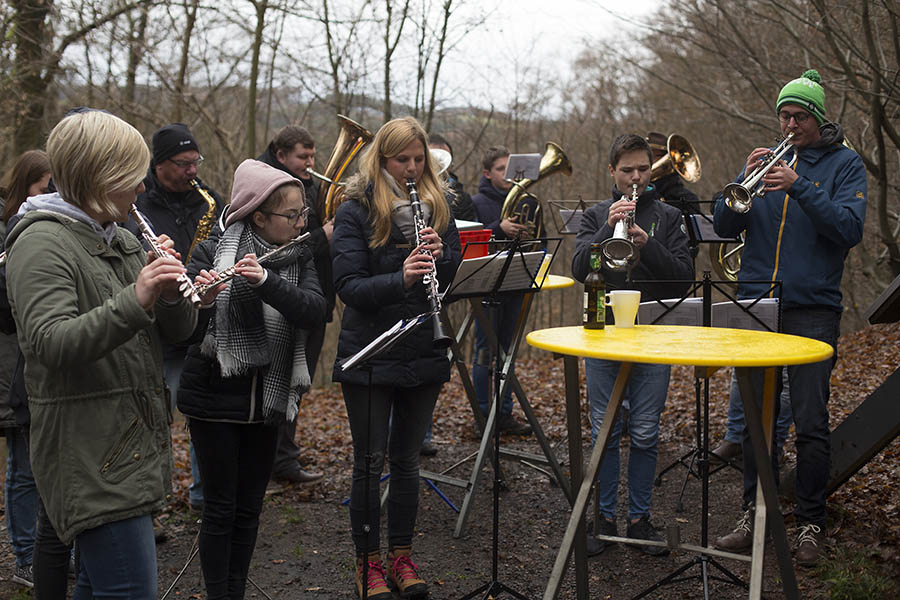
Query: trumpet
(739,196)
(619,251)
(185,286)
(231,272)
(441,339)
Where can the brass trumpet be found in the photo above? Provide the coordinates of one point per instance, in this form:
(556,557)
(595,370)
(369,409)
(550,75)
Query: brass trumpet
(739,196)
(524,208)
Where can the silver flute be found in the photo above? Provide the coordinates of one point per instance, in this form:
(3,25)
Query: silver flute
(231,272)
(441,339)
(185,286)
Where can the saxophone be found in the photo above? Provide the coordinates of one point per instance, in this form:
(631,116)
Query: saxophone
(206,222)
(231,272)
(441,339)
(185,286)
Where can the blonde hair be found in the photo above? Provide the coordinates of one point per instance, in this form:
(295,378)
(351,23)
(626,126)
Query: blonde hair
(393,137)
(92,154)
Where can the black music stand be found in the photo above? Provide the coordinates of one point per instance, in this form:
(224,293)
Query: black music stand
(360,360)
(494,271)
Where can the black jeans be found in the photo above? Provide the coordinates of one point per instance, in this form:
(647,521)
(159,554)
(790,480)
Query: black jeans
(401,441)
(51,560)
(809,389)
(235,464)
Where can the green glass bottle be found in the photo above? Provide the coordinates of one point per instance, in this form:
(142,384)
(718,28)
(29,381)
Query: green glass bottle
(595,292)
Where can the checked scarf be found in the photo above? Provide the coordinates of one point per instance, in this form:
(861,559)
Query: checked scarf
(248,334)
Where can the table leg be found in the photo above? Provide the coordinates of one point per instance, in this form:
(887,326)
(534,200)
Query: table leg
(760,422)
(574,535)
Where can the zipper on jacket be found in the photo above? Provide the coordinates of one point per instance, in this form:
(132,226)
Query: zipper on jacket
(784,208)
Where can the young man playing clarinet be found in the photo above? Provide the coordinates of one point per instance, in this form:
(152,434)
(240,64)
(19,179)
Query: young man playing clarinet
(799,232)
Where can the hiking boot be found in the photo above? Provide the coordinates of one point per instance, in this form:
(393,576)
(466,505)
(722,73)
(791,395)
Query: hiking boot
(741,538)
(377,586)
(596,546)
(427,449)
(727,451)
(644,530)
(810,543)
(23,576)
(509,424)
(403,576)
(297,475)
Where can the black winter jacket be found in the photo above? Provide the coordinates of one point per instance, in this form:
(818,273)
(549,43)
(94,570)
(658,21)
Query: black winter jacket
(318,241)
(370,283)
(203,393)
(461,205)
(665,256)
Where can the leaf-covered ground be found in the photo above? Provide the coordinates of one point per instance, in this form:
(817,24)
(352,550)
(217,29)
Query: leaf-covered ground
(304,548)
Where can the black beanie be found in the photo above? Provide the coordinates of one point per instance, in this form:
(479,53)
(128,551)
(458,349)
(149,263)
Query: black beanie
(171,140)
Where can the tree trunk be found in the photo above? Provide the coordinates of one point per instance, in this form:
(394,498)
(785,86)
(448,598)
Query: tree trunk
(261,8)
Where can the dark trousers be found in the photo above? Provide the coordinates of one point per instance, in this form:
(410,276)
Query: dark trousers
(809,385)
(287,452)
(400,439)
(51,560)
(235,463)
(503,319)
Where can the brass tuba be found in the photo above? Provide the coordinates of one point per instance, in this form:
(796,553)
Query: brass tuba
(680,157)
(351,139)
(524,208)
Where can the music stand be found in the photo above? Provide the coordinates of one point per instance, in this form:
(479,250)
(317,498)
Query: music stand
(522,166)
(360,360)
(567,215)
(510,271)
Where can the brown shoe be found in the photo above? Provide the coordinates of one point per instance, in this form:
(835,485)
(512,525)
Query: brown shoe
(509,424)
(403,576)
(377,586)
(297,475)
(741,538)
(727,451)
(810,543)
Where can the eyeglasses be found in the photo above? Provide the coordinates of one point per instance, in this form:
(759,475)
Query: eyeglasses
(293,217)
(184,164)
(799,117)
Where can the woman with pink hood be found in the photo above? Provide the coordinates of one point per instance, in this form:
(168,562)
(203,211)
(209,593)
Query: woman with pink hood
(247,369)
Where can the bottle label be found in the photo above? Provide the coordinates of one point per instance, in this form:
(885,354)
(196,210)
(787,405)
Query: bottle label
(596,261)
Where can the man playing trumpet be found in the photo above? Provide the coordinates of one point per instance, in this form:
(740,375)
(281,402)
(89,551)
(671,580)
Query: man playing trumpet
(799,231)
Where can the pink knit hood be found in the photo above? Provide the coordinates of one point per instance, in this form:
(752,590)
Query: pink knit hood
(254,181)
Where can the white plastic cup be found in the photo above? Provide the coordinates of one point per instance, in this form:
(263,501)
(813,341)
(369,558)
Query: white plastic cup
(625,305)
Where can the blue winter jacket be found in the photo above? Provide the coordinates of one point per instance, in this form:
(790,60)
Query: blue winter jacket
(802,238)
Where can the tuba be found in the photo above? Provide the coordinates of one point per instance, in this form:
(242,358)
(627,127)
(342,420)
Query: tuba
(680,158)
(524,208)
(351,139)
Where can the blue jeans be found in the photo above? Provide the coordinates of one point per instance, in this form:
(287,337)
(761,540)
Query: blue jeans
(646,394)
(809,405)
(504,319)
(735,429)
(118,561)
(173,364)
(400,441)
(21,496)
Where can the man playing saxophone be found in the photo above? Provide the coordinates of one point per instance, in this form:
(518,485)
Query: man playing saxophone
(811,213)
(174,204)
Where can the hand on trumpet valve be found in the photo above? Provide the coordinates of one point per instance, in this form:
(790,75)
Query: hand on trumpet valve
(205,277)
(755,160)
(780,177)
(416,266)
(432,242)
(638,236)
(250,269)
(158,278)
(619,210)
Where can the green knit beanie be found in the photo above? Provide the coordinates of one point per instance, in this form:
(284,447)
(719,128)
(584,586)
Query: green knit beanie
(805,91)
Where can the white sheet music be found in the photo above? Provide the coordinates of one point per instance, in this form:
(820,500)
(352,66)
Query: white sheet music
(728,314)
(477,276)
(689,312)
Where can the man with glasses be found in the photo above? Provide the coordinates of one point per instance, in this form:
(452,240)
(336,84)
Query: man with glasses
(800,232)
(293,150)
(172,206)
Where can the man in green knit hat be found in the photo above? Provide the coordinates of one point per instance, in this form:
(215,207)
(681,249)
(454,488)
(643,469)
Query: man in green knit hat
(799,232)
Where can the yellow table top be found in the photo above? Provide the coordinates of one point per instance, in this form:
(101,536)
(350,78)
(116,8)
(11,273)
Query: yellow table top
(682,345)
(557,282)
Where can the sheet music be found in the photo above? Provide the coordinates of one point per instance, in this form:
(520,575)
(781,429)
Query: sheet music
(477,276)
(571,219)
(463,225)
(728,314)
(689,312)
(397,331)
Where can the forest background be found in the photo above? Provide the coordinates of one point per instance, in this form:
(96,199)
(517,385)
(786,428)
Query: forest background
(237,70)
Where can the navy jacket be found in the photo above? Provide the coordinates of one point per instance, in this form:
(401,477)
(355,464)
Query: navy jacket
(803,237)
(370,283)
(488,206)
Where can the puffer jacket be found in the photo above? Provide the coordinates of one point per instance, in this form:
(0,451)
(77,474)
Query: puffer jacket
(665,256)
(370,283)
(802,238)
(100,444)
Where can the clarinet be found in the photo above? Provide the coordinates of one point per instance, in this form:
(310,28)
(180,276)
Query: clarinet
(441,339)
(185,286)
(231,272)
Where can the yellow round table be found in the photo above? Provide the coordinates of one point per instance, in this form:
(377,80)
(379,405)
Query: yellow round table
(556,282)
(708,347)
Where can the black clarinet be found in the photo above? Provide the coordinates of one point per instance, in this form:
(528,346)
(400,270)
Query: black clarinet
(441,339)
